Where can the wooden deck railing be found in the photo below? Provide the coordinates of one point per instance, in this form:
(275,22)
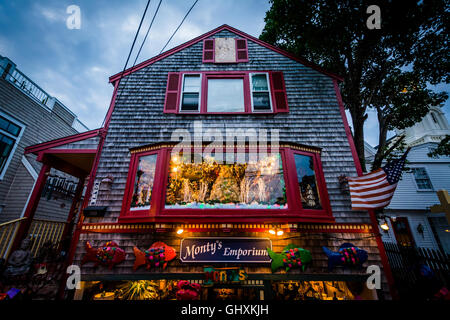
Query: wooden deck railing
(40,232)
(8,232)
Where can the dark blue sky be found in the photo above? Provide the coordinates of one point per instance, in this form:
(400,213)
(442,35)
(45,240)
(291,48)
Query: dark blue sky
(74,65)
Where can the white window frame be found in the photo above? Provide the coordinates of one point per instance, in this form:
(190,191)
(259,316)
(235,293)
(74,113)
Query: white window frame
(415,182)
(251,92)
(16,139)
(182,93)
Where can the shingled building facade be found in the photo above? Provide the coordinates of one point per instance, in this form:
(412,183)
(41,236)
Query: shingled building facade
(142,192)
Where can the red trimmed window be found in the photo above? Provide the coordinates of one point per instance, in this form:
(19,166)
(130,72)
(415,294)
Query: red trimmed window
(229,92)
(286,184)
(240,47)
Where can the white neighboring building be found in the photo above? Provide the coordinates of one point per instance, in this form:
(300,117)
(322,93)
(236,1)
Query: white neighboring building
(411,222)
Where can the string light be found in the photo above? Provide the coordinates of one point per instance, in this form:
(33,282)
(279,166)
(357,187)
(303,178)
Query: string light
(180,231)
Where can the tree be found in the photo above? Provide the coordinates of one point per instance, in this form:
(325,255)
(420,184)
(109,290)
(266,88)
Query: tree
(443,149)
(386,69)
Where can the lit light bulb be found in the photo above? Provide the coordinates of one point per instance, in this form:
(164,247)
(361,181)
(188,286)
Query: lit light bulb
(175,169)
(180,231)
(272,231)
(384,226)
(280,232)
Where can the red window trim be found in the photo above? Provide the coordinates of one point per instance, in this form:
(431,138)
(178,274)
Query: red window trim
(245,75)
(128,194)
(213,50)
(158,212)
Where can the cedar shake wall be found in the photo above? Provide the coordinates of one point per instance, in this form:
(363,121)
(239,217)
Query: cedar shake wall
(41,125)
(314,119)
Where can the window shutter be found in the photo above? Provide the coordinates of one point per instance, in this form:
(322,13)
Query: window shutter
(241,50)
(278,92)
(208,50)
(172,91)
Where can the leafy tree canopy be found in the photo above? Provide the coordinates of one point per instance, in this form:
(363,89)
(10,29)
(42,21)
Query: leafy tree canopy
(387,69)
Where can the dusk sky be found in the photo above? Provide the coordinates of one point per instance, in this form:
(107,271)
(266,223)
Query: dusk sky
(74,65)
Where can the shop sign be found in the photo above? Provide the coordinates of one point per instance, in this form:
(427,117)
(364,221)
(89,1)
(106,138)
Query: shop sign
(224,275)
(225,250)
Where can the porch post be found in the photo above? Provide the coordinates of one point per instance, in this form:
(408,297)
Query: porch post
(73,209)
(32,206)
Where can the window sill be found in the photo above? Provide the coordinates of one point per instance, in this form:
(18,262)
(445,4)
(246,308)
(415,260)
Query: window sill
(254,219)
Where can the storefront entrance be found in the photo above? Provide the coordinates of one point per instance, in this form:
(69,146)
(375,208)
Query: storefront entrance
(220,293)
(256,290)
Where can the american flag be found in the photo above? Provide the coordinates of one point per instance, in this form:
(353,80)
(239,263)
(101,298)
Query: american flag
(375,189)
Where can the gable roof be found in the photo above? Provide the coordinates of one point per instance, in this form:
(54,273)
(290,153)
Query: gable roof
(36,148)
(206,35)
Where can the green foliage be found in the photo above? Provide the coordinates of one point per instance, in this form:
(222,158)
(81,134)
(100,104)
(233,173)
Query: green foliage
(443,149)
(385,69)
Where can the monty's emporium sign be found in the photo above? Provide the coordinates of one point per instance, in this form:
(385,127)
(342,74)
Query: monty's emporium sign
(225,250)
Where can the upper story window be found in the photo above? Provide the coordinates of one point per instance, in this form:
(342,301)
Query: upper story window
(225,94)
(423,182)
(190,94)
(10,133)
(260,88)
(232,92)
(225,50)
(285,184)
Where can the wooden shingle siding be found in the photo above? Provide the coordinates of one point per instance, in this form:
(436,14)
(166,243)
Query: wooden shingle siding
(41,125)
(314,119)
(91,143)
(63,113)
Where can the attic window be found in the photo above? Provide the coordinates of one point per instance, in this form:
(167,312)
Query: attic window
(225,50)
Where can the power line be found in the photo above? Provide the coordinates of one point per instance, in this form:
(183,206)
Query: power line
(135,37)
(131,49)
(145,38)
(179,26)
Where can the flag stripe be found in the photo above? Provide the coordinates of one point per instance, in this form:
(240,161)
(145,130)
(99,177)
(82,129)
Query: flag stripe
(370,206)
(372,185)
(375,180)
(362,190)
(367,177)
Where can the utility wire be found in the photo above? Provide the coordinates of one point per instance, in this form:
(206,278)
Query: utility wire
(139,80)
(131,49)
(145,38)
(179,26)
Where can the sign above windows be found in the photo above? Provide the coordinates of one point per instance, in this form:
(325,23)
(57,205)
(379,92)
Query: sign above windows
(225,250)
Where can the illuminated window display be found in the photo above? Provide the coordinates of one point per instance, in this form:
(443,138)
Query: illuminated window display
(143,185)
(244,184)
(307,182)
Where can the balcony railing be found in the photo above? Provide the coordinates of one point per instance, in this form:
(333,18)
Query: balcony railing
(40,232)
(24,83)
(8,232)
